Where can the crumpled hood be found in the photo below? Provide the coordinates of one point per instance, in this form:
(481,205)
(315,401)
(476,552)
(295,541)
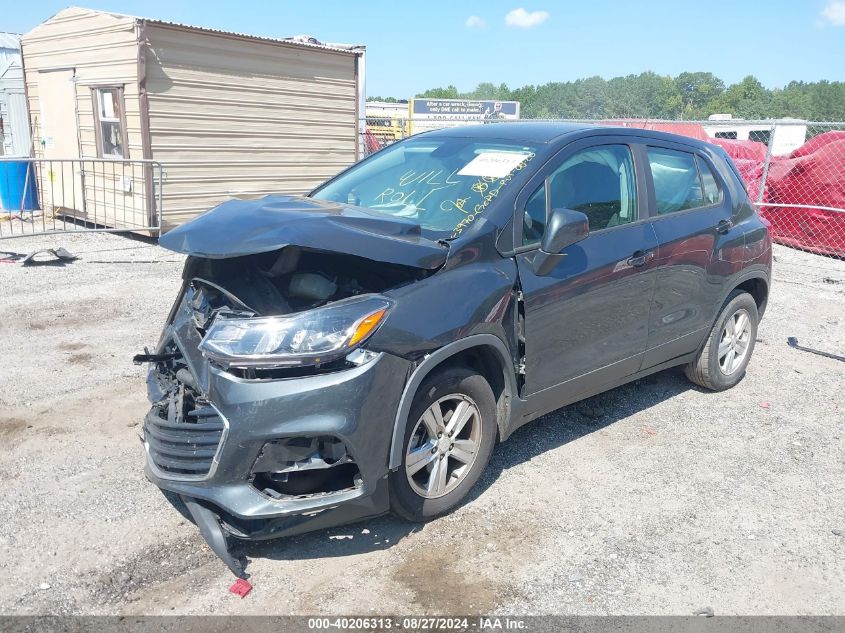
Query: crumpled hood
(247,227)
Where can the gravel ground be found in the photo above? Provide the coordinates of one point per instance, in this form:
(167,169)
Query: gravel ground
(655,498)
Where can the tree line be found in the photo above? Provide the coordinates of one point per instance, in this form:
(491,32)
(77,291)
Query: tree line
(690,95)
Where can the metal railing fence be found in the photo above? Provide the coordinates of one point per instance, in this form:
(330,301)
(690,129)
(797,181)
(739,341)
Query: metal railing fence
(794,170)
(50,195)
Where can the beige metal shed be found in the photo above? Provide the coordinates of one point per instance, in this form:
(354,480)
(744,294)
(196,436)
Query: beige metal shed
(226,114)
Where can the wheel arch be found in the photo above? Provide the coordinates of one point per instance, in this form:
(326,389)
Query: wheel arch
(487,354)
(758,288)
(755,281)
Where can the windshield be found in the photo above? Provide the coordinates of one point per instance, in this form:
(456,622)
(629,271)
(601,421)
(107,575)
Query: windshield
(444,184)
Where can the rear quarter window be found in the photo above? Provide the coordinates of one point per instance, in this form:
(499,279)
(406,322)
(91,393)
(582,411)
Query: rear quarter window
(734,170)
(712,193)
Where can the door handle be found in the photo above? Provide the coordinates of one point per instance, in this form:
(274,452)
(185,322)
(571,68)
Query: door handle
(724,226)
(639,258)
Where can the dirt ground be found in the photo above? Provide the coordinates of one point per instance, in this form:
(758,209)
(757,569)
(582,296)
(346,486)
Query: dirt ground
(655,498)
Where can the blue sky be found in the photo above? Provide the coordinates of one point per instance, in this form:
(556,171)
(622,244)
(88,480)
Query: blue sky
(413,46)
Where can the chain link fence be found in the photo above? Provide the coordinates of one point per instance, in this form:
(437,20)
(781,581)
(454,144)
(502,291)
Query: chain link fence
(794,170)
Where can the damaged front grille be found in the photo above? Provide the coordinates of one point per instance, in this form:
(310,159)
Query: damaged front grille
(183,431)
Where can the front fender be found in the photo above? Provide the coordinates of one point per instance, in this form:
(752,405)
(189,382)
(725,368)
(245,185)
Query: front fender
(469,303)
(436,359)
(456,302)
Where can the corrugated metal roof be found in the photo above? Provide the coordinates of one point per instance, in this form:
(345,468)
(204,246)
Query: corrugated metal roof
(340,48)
(10,40)
(5,66)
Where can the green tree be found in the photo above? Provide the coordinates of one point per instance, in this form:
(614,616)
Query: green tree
(449,92)
(690,95)
(527,97)
(792,101)
(487,90)
(827,101)
(748,99)
(697,91)
(644,96)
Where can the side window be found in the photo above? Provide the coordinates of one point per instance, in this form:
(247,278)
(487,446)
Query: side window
(111,132)
(712,195)
(534,222)
(600,183)
(597,181)
(677,186)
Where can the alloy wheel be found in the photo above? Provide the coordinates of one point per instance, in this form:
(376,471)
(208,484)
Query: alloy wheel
(443,446)
(734,342)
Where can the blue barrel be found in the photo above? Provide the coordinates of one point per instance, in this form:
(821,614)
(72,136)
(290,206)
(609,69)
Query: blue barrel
(17,186)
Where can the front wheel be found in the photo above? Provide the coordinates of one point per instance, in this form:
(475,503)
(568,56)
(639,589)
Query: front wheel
(722,361)
(449,437)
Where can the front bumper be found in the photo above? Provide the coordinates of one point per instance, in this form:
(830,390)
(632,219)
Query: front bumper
(357,406)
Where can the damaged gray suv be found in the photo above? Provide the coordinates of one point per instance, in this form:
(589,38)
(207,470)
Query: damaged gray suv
(361,349)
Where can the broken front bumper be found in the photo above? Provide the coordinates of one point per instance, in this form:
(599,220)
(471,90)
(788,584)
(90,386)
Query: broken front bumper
(255,453)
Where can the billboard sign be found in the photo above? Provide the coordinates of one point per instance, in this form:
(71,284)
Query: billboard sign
(431,114)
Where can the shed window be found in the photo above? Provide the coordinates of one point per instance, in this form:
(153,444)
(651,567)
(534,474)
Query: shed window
(111,124)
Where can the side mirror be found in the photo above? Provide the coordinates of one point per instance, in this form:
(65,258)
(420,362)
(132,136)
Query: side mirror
(565,228)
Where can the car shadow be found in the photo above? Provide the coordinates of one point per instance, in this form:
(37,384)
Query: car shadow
(574,421)
(544,434)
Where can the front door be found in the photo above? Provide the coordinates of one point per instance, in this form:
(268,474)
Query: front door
(57,141)
(586,322)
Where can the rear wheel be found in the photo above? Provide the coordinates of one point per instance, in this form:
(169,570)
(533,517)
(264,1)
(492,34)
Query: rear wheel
(449,437)
(722,361)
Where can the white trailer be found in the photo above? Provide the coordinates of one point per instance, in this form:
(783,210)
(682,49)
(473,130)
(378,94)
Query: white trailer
(785,135)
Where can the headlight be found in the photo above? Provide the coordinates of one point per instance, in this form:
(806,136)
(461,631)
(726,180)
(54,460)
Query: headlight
(307,338)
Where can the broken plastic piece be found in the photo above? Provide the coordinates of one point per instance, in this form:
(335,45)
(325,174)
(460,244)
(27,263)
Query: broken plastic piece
(61,255)
(213,534)
(9,257)
(241,587)
(139,359)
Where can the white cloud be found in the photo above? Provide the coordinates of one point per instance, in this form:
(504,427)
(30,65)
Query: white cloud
(475,22)
(834,13)
(525,20)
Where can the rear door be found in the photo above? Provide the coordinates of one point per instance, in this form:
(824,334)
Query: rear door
(586,323)
(699,244)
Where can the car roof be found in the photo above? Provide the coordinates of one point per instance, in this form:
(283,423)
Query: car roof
(523,131)
(551,132)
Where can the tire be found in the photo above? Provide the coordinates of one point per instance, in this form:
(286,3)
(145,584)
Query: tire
(716,371)
(429,491)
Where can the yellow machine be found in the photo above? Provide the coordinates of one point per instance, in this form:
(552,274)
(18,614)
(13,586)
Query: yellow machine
(386,123)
